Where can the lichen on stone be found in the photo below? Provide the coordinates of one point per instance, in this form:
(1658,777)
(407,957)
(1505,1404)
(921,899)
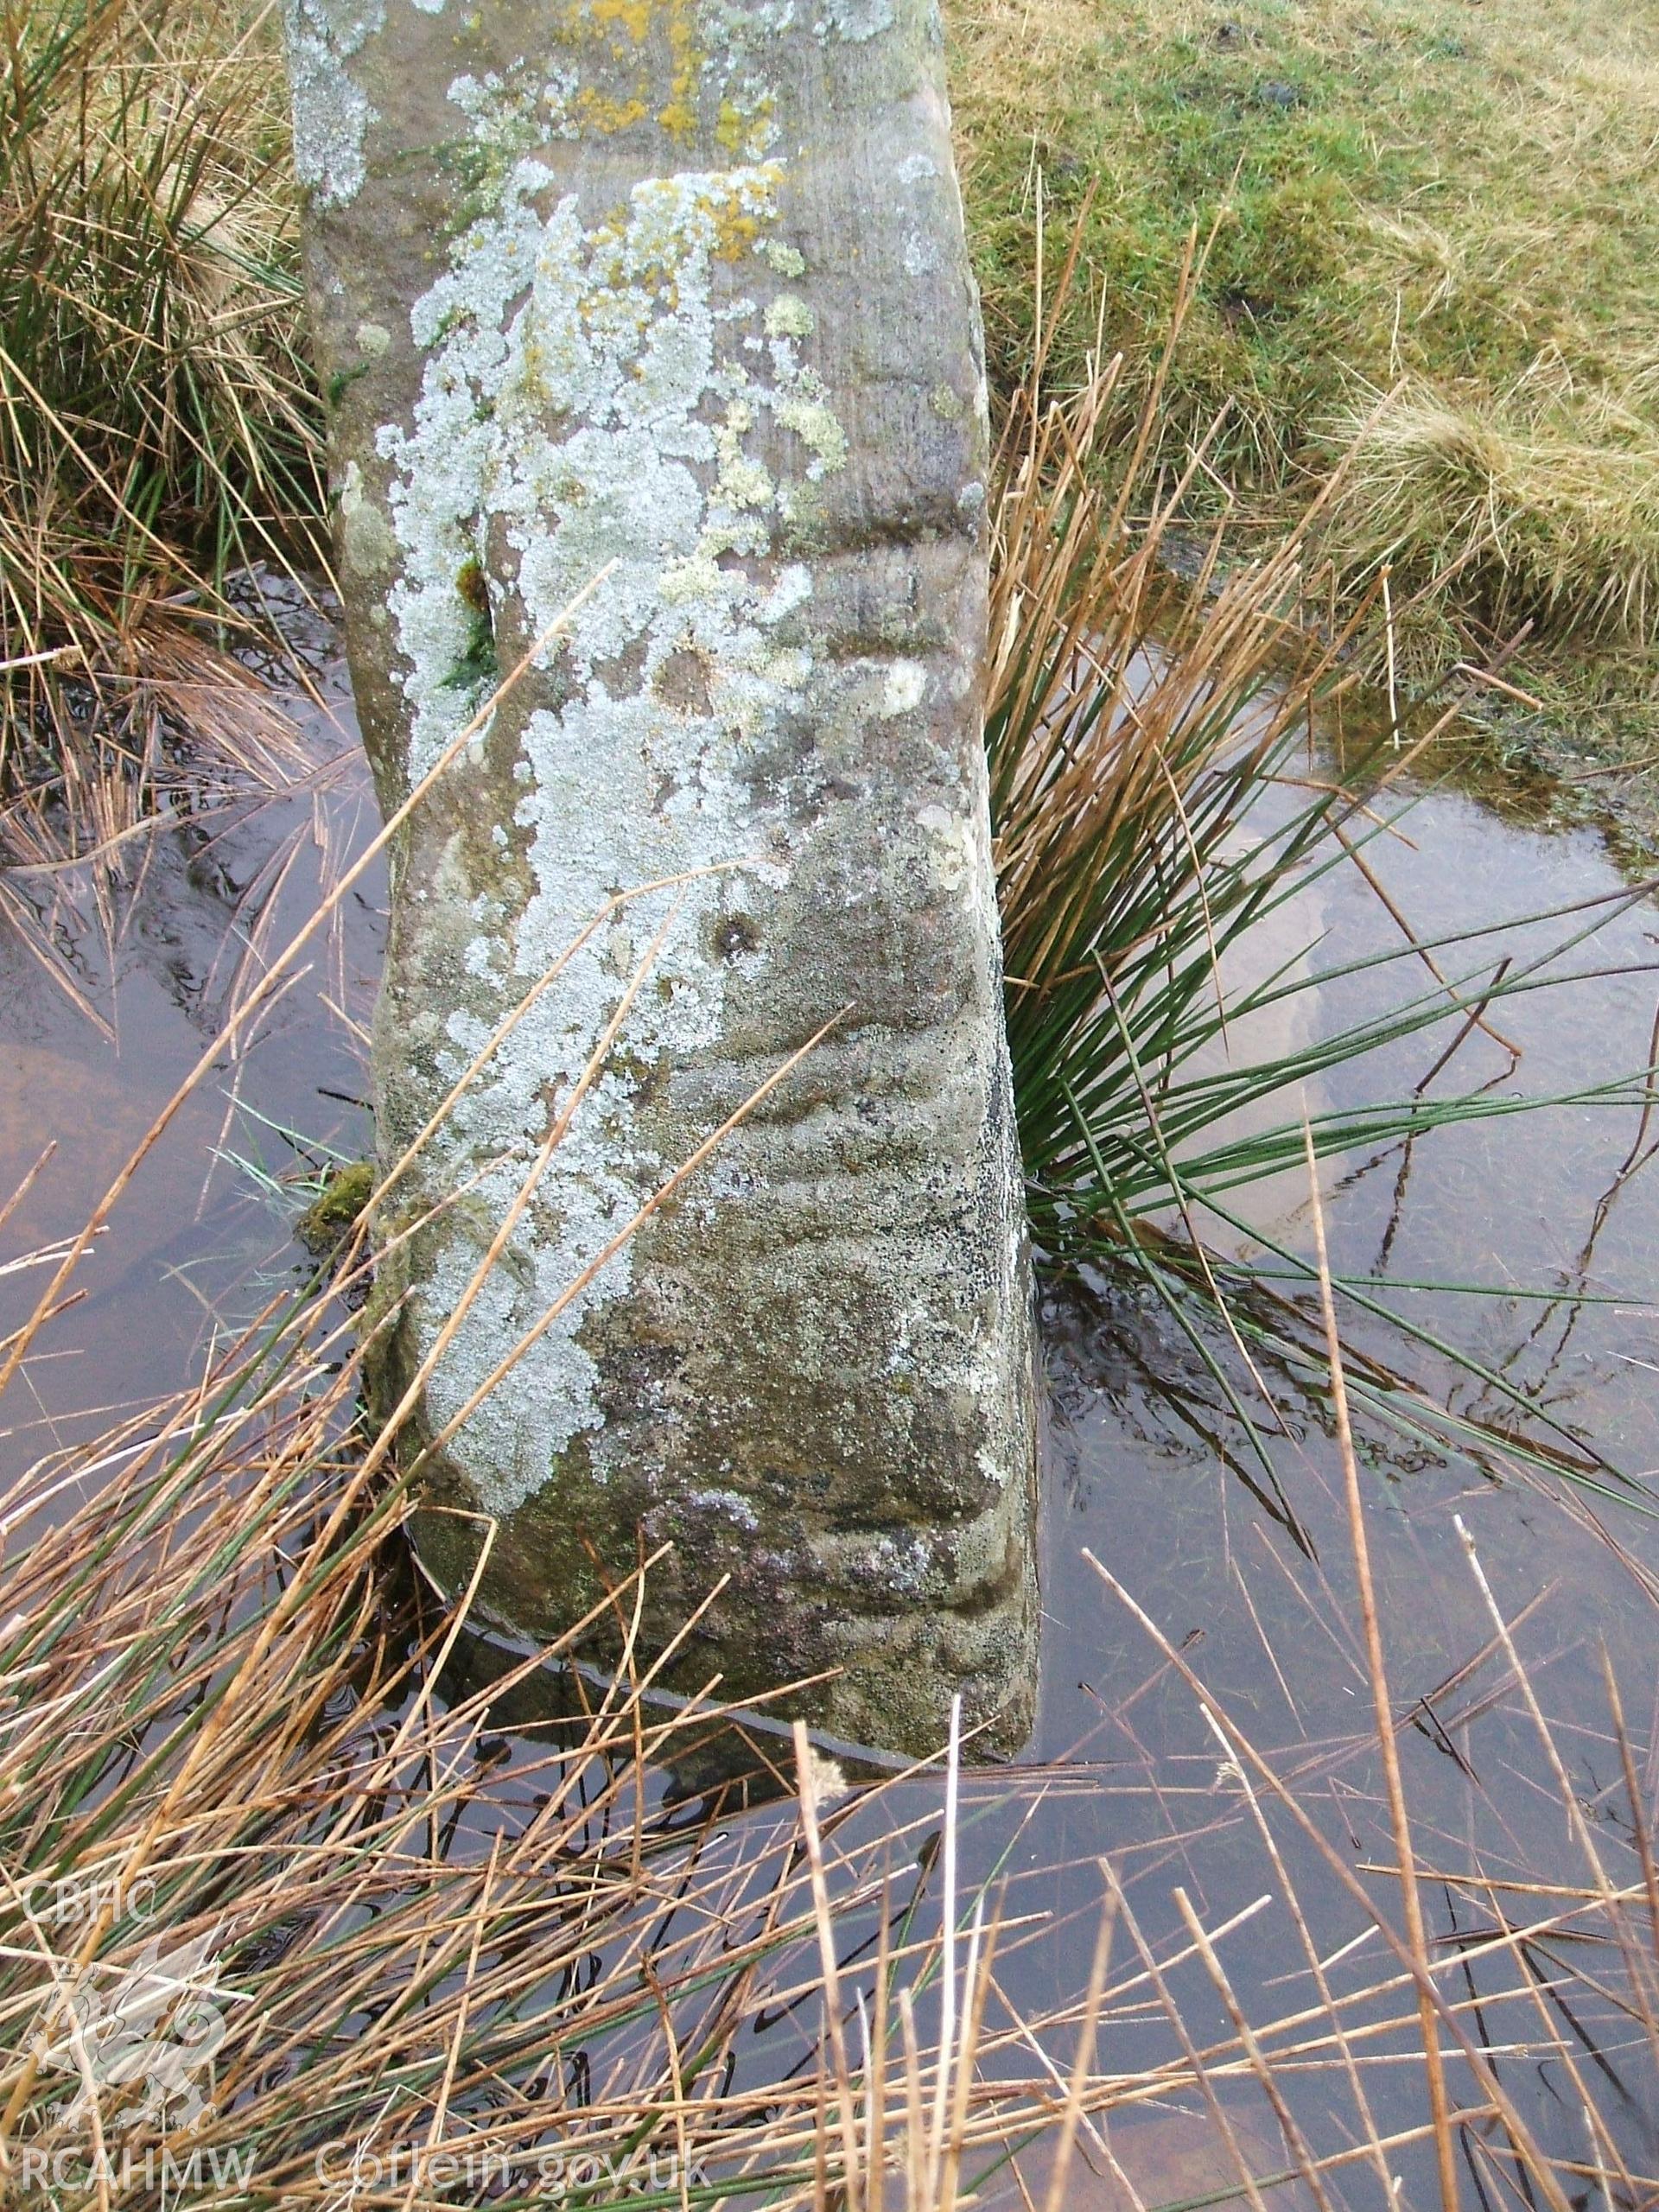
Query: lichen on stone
(789,317)
(857,20)
(587,399)
(906,687)
(367,544)
(921,253)
(330,111)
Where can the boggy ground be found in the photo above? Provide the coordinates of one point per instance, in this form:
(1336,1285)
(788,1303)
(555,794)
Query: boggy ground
(1455,203)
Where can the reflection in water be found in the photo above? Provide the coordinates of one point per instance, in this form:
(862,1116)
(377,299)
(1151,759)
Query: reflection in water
(1553,1214)
(1527,1242)
(201,1241)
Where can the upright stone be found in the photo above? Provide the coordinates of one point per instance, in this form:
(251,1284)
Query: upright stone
(679,286)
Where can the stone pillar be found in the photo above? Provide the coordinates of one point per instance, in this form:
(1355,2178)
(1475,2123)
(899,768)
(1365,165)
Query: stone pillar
(680,285)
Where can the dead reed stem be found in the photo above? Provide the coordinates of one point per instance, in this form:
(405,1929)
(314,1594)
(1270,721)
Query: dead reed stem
(1382,1708)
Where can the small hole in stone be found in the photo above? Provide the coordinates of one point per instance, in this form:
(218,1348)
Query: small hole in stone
(735,935)
(681,682)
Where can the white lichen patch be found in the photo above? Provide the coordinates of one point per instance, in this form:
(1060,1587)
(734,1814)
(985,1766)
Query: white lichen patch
(789,317)
(921,253)
(857,20)
(589,401)
(900,1564)
(514,114)
(331,112)
(730,1505)
(958,848)
(366,543)
(906,687)
(780,255)
(950,845)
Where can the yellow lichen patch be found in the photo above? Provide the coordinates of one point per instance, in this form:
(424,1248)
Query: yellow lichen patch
(597,111)
(744,133)
(734,208)
(631,16)
(747,129)
(678,117)
(628,26)
(735,233)
(710,68)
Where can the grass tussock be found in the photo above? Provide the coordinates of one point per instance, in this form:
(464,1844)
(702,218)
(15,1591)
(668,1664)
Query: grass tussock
(1544,508)
(1133,720)
(157,425)
(1464,202)
(1161,813)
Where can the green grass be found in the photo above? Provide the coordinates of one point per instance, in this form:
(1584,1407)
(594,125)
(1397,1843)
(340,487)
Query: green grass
(1456,202)
(1460,202)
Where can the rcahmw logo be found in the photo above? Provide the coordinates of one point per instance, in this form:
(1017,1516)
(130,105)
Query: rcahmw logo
(67,1900)
(168,2173)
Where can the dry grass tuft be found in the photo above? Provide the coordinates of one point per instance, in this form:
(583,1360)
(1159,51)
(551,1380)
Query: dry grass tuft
(157,425)
(1544,506)
(294,1916)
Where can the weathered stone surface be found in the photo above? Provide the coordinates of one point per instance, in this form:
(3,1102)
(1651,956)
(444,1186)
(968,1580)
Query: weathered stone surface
(680,285)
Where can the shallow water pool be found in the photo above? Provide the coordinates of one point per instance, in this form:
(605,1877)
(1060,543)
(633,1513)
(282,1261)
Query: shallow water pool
(1518,1240)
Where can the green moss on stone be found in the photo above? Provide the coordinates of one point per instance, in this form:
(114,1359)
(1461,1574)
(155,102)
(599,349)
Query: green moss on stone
(330,1219)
